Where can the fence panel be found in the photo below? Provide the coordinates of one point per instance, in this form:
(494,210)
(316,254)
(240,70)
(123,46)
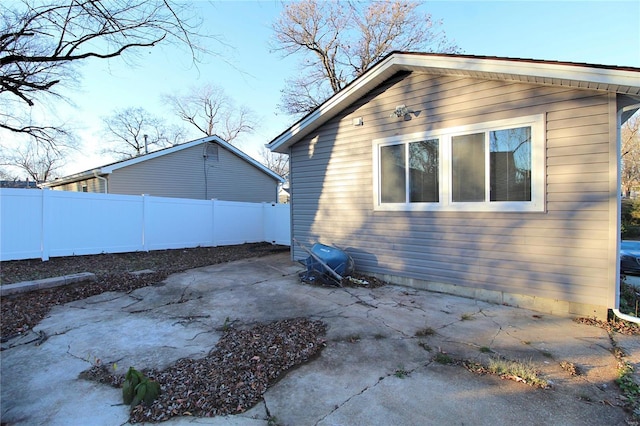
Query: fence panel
(238,223)
(43,223)
(277,226)
(80,223)
(20,224)
(177,223)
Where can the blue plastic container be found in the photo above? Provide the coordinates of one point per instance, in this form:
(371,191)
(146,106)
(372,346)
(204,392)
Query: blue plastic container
(339,261)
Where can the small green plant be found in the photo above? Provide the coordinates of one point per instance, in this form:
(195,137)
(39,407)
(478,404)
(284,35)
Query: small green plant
(227,324)
(443,358)
(401,373)
(272,421)
(486,350)
(466,317)
(547,354)
(630,389)
(425,346)
(138,388)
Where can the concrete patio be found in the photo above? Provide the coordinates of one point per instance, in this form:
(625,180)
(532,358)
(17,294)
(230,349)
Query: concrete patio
(373,370)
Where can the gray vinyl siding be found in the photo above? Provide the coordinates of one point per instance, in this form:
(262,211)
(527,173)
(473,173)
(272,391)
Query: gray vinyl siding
(188,174)
(560,254)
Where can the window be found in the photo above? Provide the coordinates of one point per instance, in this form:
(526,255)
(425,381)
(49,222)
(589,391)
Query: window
(420,184)
(495,166)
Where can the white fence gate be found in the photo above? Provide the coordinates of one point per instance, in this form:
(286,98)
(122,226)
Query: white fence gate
(46,223)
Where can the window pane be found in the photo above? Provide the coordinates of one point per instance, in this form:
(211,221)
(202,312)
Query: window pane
(392,174)
(423,172)
(510,164)
(468,167)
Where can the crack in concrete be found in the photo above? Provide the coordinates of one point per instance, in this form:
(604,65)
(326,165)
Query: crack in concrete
(338,406)
(116,296)
(189,319)
(399,373)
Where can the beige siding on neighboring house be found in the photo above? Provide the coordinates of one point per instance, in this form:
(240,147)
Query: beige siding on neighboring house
(188,174)
(92,185)
(561,254)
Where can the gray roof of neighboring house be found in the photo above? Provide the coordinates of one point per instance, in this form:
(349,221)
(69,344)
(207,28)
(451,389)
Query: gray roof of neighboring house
(624,80)
(109,168)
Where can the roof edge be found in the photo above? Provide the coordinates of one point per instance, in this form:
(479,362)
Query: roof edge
(109,168)
(491,65)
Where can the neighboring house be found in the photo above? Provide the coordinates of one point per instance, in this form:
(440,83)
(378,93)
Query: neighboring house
(203,169)
(493,178)
(26,184)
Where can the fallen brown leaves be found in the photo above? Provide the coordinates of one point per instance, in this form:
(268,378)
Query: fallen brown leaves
(233,377)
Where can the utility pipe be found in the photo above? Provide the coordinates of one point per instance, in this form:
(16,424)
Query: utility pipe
(616,310)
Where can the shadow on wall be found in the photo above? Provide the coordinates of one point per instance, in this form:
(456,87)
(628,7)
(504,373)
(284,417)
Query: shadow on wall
(553,254)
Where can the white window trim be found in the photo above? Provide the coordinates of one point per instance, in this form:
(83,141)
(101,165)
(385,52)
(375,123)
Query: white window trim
(538,174)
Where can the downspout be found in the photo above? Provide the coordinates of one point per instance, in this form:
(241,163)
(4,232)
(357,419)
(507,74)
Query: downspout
(616,310)
(105,180)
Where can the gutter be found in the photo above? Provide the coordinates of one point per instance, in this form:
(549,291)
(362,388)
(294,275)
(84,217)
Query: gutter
(616,310)
(105,180)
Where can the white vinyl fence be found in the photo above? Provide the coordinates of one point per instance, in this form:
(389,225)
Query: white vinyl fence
(46,223)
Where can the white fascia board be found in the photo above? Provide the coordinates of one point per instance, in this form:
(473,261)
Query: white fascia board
(524,68)
(351,93)
(250,160)
(503,68)
(214,138)
(110,168)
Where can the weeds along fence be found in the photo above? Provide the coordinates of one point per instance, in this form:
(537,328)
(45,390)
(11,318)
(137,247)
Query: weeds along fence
(47,223)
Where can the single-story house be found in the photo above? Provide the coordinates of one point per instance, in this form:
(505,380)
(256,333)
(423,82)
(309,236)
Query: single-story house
(205,168)
(493,178)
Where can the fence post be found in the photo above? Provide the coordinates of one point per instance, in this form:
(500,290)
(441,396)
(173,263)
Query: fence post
(144,222)
(266,221)
(46,224)
(214,240)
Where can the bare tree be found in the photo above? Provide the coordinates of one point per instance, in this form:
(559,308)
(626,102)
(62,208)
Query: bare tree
(212,112)
(276,162)
(630,153)
(41,41)
(339,41)
(40,162)
(132,131)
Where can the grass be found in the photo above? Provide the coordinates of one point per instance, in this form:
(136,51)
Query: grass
(628,386)
(443,358)
(425,346)
(424,332)
(517,370)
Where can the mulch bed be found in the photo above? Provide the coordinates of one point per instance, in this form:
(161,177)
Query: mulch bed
(233,377)
(21,312)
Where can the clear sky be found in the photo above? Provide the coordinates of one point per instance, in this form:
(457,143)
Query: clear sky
(597,32)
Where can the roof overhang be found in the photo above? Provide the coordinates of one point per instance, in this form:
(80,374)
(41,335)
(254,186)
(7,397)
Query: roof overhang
(623,80)
(108,169)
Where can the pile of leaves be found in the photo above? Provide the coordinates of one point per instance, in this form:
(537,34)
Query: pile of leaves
(233,377)
(629,303)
